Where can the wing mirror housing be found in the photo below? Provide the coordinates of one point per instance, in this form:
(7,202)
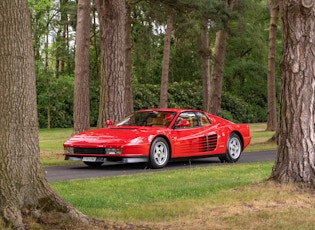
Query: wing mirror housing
(109,123)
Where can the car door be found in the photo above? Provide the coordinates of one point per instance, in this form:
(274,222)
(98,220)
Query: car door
(190,135)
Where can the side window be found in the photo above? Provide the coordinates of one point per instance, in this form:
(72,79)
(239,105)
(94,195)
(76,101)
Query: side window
(203,119)
(186,120)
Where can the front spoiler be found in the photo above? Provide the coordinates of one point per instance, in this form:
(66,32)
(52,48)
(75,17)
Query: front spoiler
(104,159)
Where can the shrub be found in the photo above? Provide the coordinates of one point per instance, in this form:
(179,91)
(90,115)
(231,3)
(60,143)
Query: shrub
(189,95)
(55,101)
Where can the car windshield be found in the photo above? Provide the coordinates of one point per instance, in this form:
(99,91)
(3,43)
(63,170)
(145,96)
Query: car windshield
(148,118)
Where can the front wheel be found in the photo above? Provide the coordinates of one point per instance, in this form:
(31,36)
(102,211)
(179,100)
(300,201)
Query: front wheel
(233,149)
(159,153)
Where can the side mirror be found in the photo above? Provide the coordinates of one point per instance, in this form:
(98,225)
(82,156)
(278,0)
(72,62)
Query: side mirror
(182,123)
(109,123)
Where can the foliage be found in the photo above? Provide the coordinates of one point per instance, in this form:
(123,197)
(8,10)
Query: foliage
(238,109)
(55,101)
(181,95)
(244,83)
(189,95)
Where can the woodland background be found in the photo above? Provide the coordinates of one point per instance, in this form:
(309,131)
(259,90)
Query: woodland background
(244,95)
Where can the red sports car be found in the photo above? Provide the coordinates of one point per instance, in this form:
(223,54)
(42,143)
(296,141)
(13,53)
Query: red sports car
(156,136)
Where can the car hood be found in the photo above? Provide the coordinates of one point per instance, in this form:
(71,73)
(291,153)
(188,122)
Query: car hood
(112,136)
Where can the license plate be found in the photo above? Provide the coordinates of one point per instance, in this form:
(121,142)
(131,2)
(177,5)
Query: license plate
(89,159)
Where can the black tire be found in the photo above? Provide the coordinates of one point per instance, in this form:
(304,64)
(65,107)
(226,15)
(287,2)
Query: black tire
(159,153)
(233,149)
(93,164)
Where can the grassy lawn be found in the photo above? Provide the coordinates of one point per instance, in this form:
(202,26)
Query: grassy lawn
(51,148)
(228,196)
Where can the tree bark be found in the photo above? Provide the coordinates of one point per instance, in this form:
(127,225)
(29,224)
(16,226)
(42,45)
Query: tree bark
(81,113)
(205,56)
(295,158)
(218,67)
(166,62)
(23,186)
(217,72)
(128,92)
(112,15)
(271,82)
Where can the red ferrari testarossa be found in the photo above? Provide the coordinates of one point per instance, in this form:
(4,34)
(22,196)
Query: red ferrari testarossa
(156,136)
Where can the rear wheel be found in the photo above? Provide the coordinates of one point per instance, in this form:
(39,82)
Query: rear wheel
(93,164)
(159,153)
(233,149)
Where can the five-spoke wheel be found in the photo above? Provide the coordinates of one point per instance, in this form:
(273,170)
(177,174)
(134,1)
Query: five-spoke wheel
(233,149)
(159,153)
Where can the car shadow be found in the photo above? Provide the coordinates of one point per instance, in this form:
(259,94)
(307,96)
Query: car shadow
(174,164)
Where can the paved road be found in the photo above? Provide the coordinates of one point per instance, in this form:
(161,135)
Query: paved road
(77,171)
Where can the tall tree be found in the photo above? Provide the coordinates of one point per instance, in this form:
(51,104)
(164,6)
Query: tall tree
(271,81)
(81,109)
(61,39)
(128,88)
(112,15)
(218,66)
(205,56)
(23,186)
(166,61)
(296,152)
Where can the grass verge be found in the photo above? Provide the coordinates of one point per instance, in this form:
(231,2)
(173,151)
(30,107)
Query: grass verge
(231,196)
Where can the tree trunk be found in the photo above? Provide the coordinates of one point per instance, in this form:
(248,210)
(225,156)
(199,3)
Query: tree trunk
(218,67)
(295,156)
(112,15)
(205,56)
(95,31)
(217,72)
(271,82)
(166,62)
(81,113)
(128,93)
(23,186)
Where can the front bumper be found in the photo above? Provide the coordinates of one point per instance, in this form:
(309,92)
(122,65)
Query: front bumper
(104,159)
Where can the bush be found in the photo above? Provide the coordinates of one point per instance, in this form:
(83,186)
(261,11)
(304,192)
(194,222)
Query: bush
(55,101)
(189,95)
(237,109)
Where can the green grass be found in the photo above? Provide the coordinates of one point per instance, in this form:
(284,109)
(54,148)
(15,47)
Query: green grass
(129,197)
(227,196)
(260,138)
(51,140)
(51,146)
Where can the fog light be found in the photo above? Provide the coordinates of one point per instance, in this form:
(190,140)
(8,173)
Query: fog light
(69,150)
(113,150)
